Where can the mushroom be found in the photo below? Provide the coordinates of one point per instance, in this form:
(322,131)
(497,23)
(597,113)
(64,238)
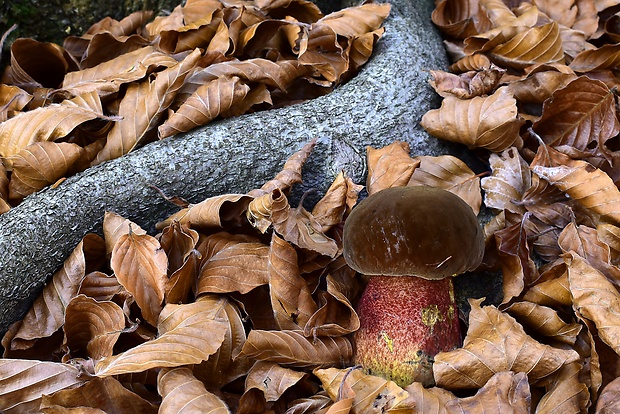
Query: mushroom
(409,241)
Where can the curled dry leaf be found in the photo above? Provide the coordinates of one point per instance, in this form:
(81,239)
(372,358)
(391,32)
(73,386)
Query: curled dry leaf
(292,349)
(181,341)
(213,212)
(115,226)
(140,265)
(544,321)
(469,84)
(142,107)
(232,264)
(47,313)
(390,166)
(24,382)
(291,299)
(91,327)
(182,393)
(540,44)
(595,298)
(221,369)
(565,393)
(509,180)
(41,164)
(272,379)
(105,394)
(580,118)
(45,124)
(177,241)
(495,342)
(337,202)
(589,186)
(488,122)
(449,173)
(215,98)
(371,394)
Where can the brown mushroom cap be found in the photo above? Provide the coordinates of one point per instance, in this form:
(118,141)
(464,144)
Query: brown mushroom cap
(415,231)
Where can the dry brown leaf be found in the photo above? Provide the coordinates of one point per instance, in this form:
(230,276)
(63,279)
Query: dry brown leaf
(213,212)
(42,164)
(191,35)
(495,342)
(469,84)
(232,263)
(587,185)
(337,202)
(142,108)
(460,19)
(335,315)
(539,86)
(24,382)
(605,57)
(371,394)
(100,286)
(114,226)
(91,327)
(552,293)
(181,392)
(565,393)
(46,124)
(595,298)
(140,265)
(291,299)
(37,64)
(610,235)
(182,283)
(355,21)
(510,179)
(518,268)
(609,400)
(579,119)
(491,122)
(105,394)
(540,44)
(47,313)
(12,100)
(107,77)
(449,173)
(181,341)
(221,369)
(544,321)
(390,166)
(177,241)
(292,349)
(272,379)
(290,173)
(209,101)
(504,392)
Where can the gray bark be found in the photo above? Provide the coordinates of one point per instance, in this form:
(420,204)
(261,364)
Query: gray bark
(383,103)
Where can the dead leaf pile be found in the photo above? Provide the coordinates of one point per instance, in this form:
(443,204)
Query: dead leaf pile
(126,83)
(533,91)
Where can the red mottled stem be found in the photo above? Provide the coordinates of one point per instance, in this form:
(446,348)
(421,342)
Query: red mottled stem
(405,322)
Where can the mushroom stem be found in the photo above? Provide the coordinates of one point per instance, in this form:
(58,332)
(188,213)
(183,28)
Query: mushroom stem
(404,323)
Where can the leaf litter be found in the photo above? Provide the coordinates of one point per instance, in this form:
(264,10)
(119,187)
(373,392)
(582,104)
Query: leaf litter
(532,91)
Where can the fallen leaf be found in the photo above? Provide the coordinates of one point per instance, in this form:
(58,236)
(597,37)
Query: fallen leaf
(495,342)
(487,122)
(181,341)
(182,393)
(140,265)
(390,166)
(292,349)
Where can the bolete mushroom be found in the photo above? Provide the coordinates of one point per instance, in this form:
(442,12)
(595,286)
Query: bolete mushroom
(409,241)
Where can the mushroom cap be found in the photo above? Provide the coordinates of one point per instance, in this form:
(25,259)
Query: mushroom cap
(415,231)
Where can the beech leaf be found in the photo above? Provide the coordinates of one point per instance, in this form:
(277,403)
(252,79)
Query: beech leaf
(390,166)
(182,393)
(140,265)
(181,341)
(292,349)
(488,122)
(495,342)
